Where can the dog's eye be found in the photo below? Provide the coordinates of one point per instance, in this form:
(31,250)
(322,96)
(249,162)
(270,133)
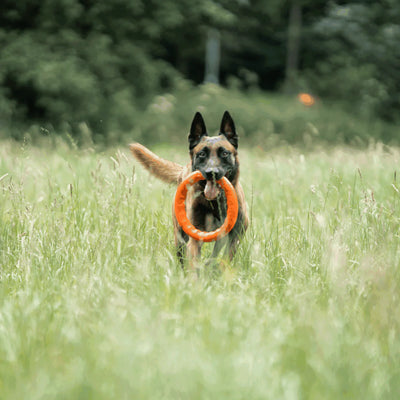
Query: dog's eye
(201,154)
(225,154)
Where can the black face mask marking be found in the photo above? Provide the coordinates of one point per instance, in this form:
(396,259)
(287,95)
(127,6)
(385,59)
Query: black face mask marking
(214,161)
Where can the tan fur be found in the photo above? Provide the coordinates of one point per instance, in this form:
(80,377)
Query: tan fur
(165,170)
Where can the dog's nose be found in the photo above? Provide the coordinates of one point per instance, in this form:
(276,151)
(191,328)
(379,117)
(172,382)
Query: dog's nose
(212,174)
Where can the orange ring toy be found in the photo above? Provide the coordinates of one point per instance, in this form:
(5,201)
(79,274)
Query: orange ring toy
(183,220)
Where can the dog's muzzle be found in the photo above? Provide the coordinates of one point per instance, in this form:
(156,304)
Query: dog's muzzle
(211,188)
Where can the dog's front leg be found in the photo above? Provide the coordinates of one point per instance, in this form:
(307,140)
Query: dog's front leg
(219,245)
(194,251)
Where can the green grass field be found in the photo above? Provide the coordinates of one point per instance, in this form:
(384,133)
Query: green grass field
(94,305)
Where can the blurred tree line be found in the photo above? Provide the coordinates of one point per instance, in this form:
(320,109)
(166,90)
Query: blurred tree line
(64,62)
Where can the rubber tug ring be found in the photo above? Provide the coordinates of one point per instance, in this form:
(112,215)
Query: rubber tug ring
(183,220)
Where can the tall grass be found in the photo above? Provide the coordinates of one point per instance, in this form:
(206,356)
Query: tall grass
(94,305)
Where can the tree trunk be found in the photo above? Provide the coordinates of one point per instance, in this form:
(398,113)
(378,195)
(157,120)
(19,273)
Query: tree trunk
(213,54)
(293,48)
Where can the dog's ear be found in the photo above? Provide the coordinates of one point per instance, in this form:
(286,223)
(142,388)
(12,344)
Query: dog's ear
(197,130)
(228,129)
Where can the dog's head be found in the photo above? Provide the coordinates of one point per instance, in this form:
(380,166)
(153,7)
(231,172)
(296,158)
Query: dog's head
(214,156)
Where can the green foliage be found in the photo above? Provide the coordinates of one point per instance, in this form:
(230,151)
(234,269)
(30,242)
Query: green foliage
(263,119)
(356,54)
(64,64)
(69,66)
(94,305)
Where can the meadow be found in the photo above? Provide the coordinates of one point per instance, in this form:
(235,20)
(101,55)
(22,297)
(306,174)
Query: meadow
(94,304)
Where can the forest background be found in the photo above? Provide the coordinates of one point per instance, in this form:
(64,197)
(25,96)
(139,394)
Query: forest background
(112,70)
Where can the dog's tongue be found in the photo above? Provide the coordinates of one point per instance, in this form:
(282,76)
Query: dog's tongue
(211,190)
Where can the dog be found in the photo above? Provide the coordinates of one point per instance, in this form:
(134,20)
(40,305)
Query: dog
(215,157)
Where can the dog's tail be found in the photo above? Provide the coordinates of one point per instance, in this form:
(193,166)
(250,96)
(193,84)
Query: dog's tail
(165,170)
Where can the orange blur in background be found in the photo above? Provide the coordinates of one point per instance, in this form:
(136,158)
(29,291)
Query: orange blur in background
(306,99)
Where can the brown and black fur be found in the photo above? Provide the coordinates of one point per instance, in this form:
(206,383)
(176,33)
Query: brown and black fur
(215,157)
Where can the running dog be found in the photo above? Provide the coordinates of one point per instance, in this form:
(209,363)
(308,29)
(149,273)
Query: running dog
(214,157)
